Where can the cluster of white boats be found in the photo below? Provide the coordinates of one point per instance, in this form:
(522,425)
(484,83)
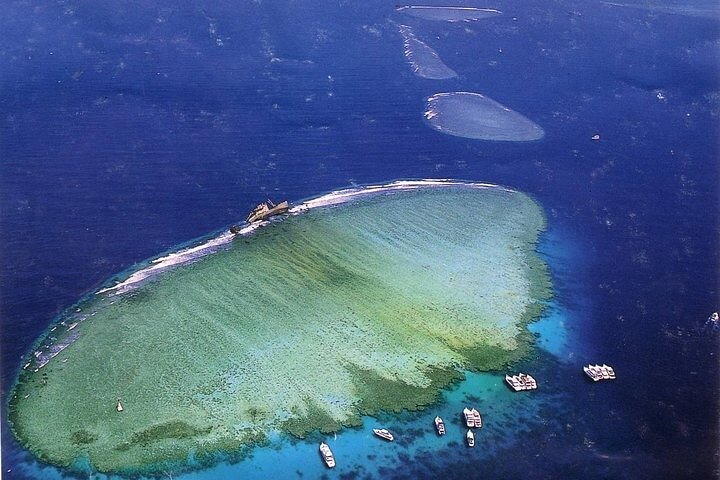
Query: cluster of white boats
(329,458)
(599,372)
(521,381)
(473,419)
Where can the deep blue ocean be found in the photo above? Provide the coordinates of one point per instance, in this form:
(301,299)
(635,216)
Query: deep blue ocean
(127,128)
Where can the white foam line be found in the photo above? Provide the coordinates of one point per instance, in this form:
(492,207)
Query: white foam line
(342,196)
(429,7)
(461,9)
(192,254)
(42,358)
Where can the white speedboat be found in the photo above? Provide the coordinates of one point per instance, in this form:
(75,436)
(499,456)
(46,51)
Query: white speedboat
(440,426)
(327,455)
(470,437)
(469,422)
(119,406)
(384,434)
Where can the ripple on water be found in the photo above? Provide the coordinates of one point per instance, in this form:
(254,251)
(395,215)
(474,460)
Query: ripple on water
(472,115)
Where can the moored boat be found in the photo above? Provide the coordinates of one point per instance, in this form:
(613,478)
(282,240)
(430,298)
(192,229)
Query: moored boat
(521,381)
(469,422)
(477,419)
(527,381)
(514,383)
(599,372)
(440,426)
(384,434)
(610,371)
(327,455)
(470,437)
(591,373)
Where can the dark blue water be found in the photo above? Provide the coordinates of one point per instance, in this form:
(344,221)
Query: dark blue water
(127,129)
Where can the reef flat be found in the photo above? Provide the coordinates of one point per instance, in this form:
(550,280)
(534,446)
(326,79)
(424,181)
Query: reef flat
(448,14)
(472,115)
(424,61)
(369,301)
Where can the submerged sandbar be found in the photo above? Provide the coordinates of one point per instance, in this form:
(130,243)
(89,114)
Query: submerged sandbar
(424,61)
(473,115)
(448,14)
(371,299)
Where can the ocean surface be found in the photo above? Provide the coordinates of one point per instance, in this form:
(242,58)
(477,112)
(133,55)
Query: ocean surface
(128,129)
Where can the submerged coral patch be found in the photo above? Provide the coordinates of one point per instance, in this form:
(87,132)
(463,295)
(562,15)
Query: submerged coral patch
(347,309)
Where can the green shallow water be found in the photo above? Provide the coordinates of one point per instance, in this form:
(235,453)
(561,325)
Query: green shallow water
(308,323)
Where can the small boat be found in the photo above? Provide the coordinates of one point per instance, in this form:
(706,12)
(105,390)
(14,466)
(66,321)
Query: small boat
(267,210)
(384,434)
(590,372)
(469,421)
(327,455)
(712,324)
(477,419)
(514,383)
(119,406)
(440,426)
(470,437)
(611,372)
(521,381)
(527,381)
